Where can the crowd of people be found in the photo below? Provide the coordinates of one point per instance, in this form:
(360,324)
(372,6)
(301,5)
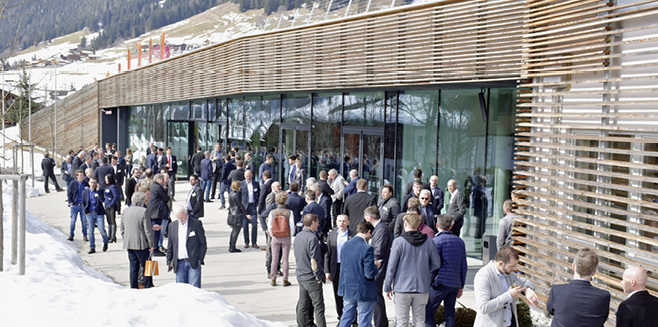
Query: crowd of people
(370,247)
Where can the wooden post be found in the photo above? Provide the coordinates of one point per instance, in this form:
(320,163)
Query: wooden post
(21,225)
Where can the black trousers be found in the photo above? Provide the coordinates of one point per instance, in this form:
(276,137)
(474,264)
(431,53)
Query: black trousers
(216,177)
(137,260)
(235,232)
(335,279)
(52,177)
(379,314)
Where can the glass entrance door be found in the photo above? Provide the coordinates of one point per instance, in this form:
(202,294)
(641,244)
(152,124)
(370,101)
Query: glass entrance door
(365,149)
(295,140)
(178,136)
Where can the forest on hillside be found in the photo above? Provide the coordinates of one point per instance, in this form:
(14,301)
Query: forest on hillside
(28,22)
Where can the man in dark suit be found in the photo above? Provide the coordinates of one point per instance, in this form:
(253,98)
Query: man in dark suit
(335,242)
(314,208)
(381,241)
(456,207)
(218,159)
(389,208)
(579,303)
(95,161)
(186,264)
(151,161)
(206,175)
(357,203)
(250,193)
(67,170)
(103,170)
(299,176)
(350,189)
(418,177)
(437,194)
(172,169)
(195,161)
(358,269)
(131,183)
(324,201)
(238,173)
(296,204)
(78,159)
(194,200)
(48,167)
(324,186)
(641,308)
(265,190)
(227,169)
(86,163)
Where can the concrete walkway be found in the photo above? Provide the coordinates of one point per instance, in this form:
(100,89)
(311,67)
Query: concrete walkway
(240,278)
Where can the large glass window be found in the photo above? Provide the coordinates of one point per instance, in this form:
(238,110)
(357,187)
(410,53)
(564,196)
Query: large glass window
(271,117)
(198,110)
(236,122)
(416,136)
(180,110)
(326,132)
(364,109)
(297,108)
(253,122)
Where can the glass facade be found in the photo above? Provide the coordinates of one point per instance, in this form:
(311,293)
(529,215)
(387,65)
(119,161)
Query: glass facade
(384,135)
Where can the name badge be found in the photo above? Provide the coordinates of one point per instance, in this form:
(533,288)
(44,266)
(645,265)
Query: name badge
(192,233)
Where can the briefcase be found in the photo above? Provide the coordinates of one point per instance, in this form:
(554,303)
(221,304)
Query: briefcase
(151,268)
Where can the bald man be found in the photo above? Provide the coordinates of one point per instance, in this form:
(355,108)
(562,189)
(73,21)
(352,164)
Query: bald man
(641,308)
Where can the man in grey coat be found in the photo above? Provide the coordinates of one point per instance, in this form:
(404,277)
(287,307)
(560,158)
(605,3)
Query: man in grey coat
(456,207)
(137,238)
(497,287)
(505,227)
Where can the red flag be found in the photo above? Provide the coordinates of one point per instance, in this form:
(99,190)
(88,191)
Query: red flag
(162,46)
(119,67)
(139,55)
(129,59)
(150,50)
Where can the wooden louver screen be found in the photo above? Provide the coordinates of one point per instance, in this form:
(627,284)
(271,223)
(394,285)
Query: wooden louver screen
(588,140)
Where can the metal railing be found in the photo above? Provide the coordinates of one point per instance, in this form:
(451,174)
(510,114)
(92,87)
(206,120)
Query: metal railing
(17,222)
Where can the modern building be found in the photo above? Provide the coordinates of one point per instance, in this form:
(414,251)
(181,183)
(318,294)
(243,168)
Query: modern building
(555,100)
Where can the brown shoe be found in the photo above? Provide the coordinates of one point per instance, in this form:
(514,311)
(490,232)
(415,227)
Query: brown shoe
(255,246)
(286,283)
(246,246)
(141,286)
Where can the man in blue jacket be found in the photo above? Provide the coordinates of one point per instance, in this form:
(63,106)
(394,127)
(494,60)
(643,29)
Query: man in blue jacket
(296,204)
(250,193)
(314,208)
(92,204)
(357,282)
(448,282)
(206,175)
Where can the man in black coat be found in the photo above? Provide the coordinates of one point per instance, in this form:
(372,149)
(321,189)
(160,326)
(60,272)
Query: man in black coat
(641,308)
(187,268)
(324,186)
(195,199)
(237,174)
(250,164)
(314,208)
(48,167)
(171,164)
(415,193)
(437,194)
(335,241)
(250,195)
(68,173)
(356,204)
(296,204)
(389,208)
(325,202)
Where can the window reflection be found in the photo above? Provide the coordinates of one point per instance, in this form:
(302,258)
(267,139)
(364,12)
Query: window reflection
(364,109)
(297,108)
(236,122)
(326,133)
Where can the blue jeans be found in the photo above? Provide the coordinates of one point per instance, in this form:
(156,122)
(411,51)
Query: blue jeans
(206,187)
(75,211)
(445,294)
(223,189)
(186,274)
(165,223)
(251,210)
(156,234)
(349,313)
(92,220)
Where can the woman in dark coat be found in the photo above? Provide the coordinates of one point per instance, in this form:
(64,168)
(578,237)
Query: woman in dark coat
(236,215)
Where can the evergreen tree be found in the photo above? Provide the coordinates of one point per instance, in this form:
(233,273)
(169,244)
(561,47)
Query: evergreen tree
(20,108)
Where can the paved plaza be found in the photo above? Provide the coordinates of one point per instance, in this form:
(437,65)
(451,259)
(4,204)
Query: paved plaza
(239,277)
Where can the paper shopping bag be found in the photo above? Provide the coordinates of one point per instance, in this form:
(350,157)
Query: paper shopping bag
(151,268)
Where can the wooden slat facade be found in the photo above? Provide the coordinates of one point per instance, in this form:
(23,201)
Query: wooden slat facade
(440,42)
(587,143)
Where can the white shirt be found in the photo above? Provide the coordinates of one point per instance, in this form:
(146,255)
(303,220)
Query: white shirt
(452,195)
(250,189)
(182,240)
(189,196)
(341,238)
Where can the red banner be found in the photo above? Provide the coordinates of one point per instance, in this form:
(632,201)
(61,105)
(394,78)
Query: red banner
(139,55)
(128,58)
(162,46)
(150,50)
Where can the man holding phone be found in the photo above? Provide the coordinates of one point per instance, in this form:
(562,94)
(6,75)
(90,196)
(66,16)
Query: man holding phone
(497,287)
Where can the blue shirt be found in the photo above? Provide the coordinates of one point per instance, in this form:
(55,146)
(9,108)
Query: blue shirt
(81,188)
(93,196)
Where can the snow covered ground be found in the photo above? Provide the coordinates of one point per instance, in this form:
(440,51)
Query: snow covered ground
(58,289)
